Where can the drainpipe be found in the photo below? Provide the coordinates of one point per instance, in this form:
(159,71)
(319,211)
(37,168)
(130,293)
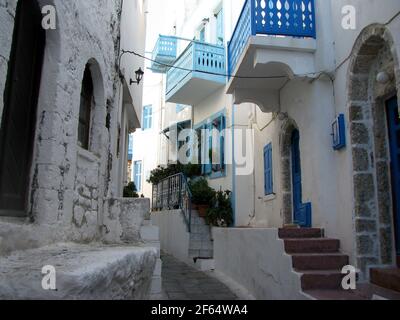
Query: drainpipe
(233,167)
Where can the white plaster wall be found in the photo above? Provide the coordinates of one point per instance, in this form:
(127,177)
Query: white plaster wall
(174,236)
(86,32)
(269,276)
(133,38)
(146,142)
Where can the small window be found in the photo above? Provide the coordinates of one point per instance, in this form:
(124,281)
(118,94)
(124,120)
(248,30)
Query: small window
(268,173)
(85,109)
(180,108)
(202,34)
(130,147)
(220,27)
(207,155)
(138,175)
(147,117)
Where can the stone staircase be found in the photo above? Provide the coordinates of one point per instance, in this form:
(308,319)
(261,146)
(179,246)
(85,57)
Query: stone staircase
(201,244)
(317,258)
(386,278)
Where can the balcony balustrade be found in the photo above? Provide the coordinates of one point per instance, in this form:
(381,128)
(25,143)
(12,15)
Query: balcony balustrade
(164,52)
(198,72)
(295,18)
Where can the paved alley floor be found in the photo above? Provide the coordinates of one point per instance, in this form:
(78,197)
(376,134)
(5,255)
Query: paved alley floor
(182,282)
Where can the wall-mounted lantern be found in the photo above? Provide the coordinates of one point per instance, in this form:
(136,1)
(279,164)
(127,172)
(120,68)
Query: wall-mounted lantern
(339,133)
(139,76)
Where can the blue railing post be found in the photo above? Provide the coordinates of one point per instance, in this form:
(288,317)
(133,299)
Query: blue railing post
(253,17)
(294,18)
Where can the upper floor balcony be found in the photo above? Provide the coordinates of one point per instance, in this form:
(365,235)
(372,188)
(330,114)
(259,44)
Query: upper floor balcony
(164,52)
(197,73)
(273,41)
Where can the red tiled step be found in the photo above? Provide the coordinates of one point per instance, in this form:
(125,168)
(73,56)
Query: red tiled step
(321,280)
(319,261)
(386,278)
(322,245)
(299,233)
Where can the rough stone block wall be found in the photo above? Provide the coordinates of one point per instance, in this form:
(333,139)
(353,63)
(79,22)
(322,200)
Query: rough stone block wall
(69,185)
(7,9)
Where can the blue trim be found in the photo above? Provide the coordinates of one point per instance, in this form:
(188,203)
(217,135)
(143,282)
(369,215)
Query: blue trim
(302,212)
(147,117)
(233,199)
(268,170)
(217,175)
(339,133)
(394,129)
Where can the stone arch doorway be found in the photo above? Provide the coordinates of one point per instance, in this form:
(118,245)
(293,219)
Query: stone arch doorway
(20,113)
(374,52)
(293,209)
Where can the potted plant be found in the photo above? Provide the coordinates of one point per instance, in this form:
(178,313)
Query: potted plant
(220,213)
(202,195)
(130,191)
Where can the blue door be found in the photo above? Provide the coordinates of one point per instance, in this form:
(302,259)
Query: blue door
(394,139)
(301,211)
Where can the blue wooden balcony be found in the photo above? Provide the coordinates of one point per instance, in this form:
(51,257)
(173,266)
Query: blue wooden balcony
(164,52)
(198,72)
(294,18)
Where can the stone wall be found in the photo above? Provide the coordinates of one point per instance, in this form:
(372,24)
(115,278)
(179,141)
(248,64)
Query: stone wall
(124,219)
(68,184)
(71,186)
(374,52)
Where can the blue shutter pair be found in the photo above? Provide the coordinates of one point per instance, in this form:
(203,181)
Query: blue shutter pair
(147,117)
(268,172)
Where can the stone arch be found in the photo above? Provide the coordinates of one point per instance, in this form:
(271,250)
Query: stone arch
(46,127)
(374,51)
(99,110)
(285,143)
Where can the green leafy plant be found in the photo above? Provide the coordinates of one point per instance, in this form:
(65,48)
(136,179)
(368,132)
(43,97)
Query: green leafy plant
(202,193)
(130,191)
(220,213)
(161,173)
(192,170)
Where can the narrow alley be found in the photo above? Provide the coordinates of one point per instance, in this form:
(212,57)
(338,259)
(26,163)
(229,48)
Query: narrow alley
(182,282)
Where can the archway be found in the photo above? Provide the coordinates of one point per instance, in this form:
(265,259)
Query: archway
(20,112)
(374,52)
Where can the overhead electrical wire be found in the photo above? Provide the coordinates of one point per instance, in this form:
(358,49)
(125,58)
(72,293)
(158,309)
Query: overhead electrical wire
(314,74)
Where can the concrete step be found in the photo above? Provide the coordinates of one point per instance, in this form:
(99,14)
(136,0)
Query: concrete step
(83,272)
(321,280)
(300,233)
(386,278)
(365,291)
(293,246)
(319,261)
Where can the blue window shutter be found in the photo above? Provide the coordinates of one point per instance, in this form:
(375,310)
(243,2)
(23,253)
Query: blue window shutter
(208,167)
(147,117)
(268,172)
(222,141)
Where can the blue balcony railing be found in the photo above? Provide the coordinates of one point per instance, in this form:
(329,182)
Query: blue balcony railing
(164,52)
(295,18)
(202,60)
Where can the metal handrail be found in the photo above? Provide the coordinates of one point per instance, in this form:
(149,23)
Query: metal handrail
(174,193)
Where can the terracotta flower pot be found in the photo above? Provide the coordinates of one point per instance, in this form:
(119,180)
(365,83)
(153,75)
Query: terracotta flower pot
(202,209)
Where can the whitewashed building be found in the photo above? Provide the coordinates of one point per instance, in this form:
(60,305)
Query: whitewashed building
(316,83)
(68,103)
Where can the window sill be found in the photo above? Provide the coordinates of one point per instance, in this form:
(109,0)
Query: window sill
(269,197)
(87,155)
(217,175)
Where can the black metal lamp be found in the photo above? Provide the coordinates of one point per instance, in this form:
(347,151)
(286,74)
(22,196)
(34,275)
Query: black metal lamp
(139,76)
